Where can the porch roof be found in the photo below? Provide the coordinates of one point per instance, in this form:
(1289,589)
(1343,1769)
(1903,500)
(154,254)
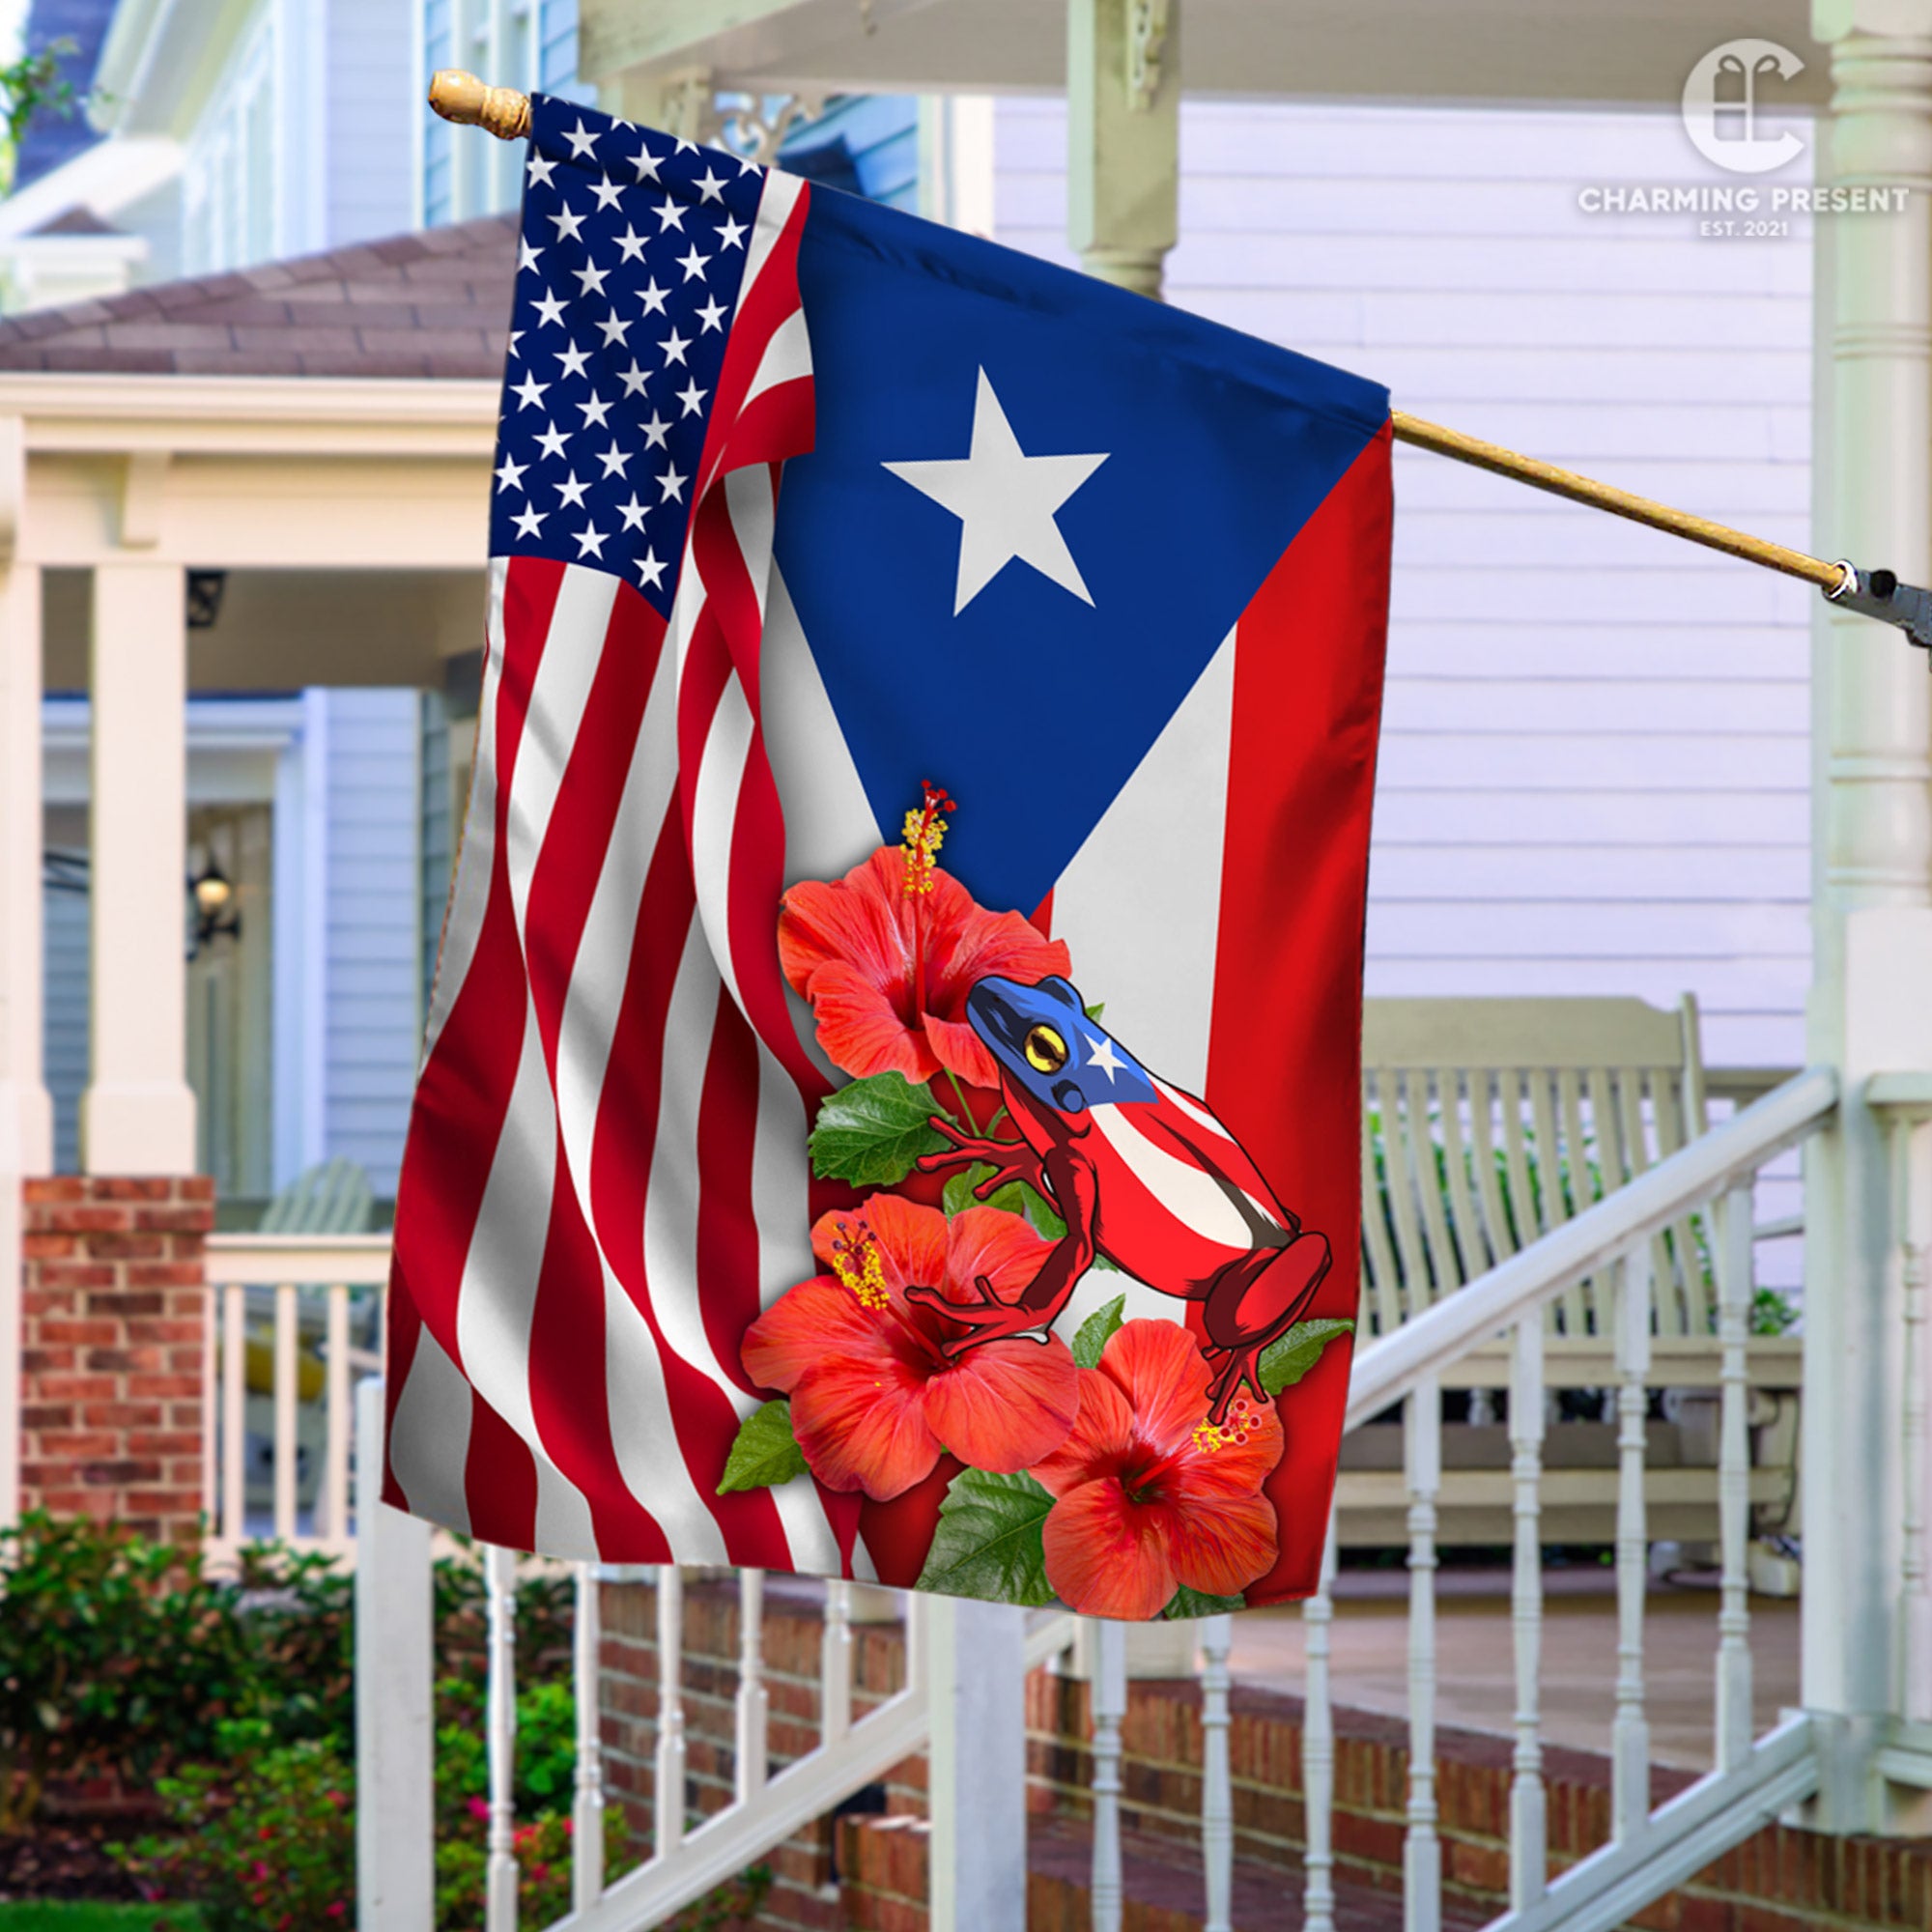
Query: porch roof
(435,304)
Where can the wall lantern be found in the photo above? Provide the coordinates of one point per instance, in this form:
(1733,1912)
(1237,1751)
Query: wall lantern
(205,588)
(216,913)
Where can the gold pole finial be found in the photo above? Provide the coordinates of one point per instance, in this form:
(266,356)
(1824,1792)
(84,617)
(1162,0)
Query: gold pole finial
(462,97)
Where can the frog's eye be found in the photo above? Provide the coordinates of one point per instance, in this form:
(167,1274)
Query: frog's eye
(1045,1050)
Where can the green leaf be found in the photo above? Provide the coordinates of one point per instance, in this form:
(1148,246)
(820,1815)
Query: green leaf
(1098,1008)
(766,1452)
(1016,1197)
(1188,1602)
(1092,1334)
(873,1131)
(988,1542)
(1290,1356)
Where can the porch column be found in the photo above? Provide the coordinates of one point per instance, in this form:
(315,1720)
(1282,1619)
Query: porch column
(1124,135)
(137,1115)
(1872,874)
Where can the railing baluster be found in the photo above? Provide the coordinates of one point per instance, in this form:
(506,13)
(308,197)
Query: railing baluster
(234,1413)
(670,1775)
(335,1513)
(586,1811)
(1110,1709)
(1630,1733)
(1317,1751)
(1734,1658)
(1528,1832)
(1422,1850)
(499,1893)
(753,1703)
(834,1714)
(1217,1796)
(211,1411)
(1912,1170)
(287,1314)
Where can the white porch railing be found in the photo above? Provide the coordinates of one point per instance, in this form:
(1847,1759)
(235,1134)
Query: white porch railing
(293,1323)
(1649,1851)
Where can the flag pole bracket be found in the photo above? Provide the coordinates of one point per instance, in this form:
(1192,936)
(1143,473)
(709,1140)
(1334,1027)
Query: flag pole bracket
(1877,593)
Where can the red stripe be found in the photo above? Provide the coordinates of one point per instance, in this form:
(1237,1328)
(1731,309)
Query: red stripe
(1288,976)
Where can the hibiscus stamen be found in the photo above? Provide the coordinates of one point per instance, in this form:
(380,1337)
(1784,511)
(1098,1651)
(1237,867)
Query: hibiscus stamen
(1238,1425)
(925,832)
(855,1259)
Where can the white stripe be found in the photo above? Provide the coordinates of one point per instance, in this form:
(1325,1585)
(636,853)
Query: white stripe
(497,1296)
(573,649)
(754,508)
(1188,1192)
(714,818)
(787,359)
(1140,905)
(1199,1115)
(779,196)
(470,889)
(429,1438)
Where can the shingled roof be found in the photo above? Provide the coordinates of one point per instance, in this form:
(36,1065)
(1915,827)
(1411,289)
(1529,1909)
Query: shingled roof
(434,303)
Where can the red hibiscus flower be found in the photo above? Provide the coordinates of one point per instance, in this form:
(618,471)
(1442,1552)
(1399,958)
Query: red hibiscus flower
(875,1402)
(1148,1493)
(887,955)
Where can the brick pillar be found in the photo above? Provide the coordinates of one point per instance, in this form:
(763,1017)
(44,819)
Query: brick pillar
(113,1350)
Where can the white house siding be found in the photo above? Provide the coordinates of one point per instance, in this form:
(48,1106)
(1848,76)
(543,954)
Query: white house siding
(371,120)
(1594,766)
(372,971)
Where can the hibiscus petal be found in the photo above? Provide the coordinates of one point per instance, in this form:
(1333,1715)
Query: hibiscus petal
(1100,1437)
(800,1327)
(861,1422)
(1104,1556)
(859,1030)
(1006,1405)
(911,1239)
(1220,1546)
(858,920)
(991,1241)
(970,942)
(1232,1469)
(957,1047)
(1160,1370)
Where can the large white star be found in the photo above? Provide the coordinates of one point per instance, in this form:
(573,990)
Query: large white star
(1005,500)
(1101,1054)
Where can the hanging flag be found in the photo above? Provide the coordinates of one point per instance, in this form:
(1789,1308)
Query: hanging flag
(889,1106)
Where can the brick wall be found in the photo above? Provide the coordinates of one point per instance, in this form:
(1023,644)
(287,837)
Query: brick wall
(112,1364)
(1779,1881)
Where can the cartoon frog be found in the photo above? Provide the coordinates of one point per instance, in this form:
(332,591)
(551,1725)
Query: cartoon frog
(1143,1175)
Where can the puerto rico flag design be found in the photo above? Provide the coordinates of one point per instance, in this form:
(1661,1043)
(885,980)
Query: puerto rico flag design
(798,502)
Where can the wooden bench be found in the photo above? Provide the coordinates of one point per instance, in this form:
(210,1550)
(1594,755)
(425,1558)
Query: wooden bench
(1485,1125)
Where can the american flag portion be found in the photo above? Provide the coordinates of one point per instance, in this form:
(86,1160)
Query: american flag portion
(613,1102)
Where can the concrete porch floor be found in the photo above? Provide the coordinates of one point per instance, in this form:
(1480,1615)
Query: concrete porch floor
(1475,1660)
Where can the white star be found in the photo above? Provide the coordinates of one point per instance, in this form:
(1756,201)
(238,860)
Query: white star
(675,346)
(1005,500)
(526,256)
(653,297)
(567,221)
(647,167)
(692,263)
(613,329)
(549,309)
(673,486)
(595,409)
(571,359)
(670,215)
(530,390)
(712,315)
(655,431)
(590,280)
(510,474)
(691,396)
(614,460)
(631,243)
(685,147)
(582,143)
(1101,1053)
(529,521)
(609,194)
(633,513)
(552,440)
(651,570)
(732,235)
(516,336)
(747,166)
(540,171)
(591,543)
(710,188)
(634,378)
(570,492)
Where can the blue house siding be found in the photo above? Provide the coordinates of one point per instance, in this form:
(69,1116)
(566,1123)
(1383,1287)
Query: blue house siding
(866,144)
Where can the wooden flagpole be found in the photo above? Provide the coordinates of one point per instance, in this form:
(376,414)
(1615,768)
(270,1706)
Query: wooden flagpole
(464,98)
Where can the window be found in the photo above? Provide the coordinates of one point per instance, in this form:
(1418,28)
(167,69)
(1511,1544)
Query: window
(438,170)
(230,180)
(557,45)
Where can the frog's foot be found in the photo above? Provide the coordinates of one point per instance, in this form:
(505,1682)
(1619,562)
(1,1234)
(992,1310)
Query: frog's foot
(1014,1160)
(988,1318)
(1240,1364)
